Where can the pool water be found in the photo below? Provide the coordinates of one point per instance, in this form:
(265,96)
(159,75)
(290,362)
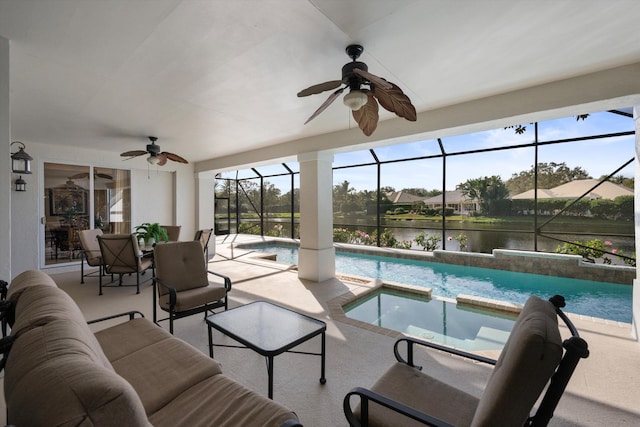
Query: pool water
(433,319)
(597,299)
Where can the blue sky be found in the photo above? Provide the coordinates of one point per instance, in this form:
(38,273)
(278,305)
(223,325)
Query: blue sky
(598,157)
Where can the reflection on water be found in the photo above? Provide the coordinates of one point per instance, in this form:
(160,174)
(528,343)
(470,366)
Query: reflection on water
(433,319)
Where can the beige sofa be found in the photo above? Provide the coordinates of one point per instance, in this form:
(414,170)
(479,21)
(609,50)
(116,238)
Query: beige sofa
(134,373)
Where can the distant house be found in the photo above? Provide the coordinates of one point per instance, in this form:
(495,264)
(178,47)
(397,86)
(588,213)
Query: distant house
(455,200)
(403,197)
(575,189)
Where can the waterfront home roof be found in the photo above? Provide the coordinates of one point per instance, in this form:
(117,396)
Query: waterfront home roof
(403,197)
(454,196)
(575,189)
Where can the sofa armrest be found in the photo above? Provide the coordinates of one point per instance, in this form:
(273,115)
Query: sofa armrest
(366,396)
(130,314)
(411,342)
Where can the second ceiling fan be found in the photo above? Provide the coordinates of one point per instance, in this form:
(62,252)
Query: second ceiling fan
(364,89)
(156,156)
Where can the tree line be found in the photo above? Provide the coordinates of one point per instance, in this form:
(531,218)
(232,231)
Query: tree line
(492,194)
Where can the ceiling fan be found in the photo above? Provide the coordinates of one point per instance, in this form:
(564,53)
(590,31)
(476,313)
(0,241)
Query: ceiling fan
(156,157)
(364,89)
(96,175)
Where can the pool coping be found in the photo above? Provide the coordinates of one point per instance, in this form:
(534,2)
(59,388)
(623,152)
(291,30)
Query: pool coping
(543,263)
(337,305)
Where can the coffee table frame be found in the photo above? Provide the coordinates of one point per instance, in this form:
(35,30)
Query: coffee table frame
(251,324)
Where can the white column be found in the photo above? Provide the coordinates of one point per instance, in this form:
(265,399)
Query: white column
(205,206)
(316,258)
(6,176)
(635,307)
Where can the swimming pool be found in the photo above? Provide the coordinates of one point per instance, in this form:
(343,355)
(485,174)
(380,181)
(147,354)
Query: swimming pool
(433,319)
(597,299)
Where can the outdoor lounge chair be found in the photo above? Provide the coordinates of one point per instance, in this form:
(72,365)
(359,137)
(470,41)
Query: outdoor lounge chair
(121,255)
(531,358)
(184,285)
(90,252)
(173,232)
(203,236)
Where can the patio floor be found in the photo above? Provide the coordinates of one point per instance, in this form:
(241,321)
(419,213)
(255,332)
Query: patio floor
(603,390)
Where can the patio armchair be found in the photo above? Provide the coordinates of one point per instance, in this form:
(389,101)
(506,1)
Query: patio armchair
(90,252)
(532,357)
(184,285)
(173,232)
(203,236)
(121,255)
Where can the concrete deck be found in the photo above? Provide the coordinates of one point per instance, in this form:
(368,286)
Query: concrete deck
(605,389)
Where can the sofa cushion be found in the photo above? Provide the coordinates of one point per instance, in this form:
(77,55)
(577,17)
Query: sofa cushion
(162,368)
(529,358)
(125,338)
(25,280)
(41,305)
(53,377)
(221,402)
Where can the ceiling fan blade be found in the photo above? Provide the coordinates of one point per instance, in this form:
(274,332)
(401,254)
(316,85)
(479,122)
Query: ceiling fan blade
(173,157)
(104,175)
(134,153)
(162,159)
(321,87)
(377,81)
(79,175)
(325,104)
(367,115)
(396,101)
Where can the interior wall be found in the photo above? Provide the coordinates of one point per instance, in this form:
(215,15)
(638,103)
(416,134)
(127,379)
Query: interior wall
(6,180)
(152,192)
(152,197)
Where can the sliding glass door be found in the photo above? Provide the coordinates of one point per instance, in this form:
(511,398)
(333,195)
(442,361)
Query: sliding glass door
(78,197)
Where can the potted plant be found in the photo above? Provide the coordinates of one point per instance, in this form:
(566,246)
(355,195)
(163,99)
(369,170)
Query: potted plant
(151,232)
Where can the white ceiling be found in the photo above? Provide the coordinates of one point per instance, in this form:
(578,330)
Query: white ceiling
(213,78)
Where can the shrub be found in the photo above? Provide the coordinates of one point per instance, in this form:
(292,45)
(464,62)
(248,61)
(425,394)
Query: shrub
(428,243)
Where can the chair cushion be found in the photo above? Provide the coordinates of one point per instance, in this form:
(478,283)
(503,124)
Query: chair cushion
(90,245)
(528,360)
(192,298)
(181,265)
(418,390)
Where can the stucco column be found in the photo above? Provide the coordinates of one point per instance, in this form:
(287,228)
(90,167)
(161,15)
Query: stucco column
(6,181)
(635,308)
(316,258)
(205,206)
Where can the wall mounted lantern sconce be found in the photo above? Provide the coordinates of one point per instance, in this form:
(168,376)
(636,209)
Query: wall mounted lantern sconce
(21,184)
(20,160)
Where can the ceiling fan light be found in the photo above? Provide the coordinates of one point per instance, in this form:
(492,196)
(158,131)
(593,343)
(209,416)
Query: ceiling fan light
(154,160)
(355,99)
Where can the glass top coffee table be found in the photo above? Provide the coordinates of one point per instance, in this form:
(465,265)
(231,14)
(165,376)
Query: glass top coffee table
(269,330)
